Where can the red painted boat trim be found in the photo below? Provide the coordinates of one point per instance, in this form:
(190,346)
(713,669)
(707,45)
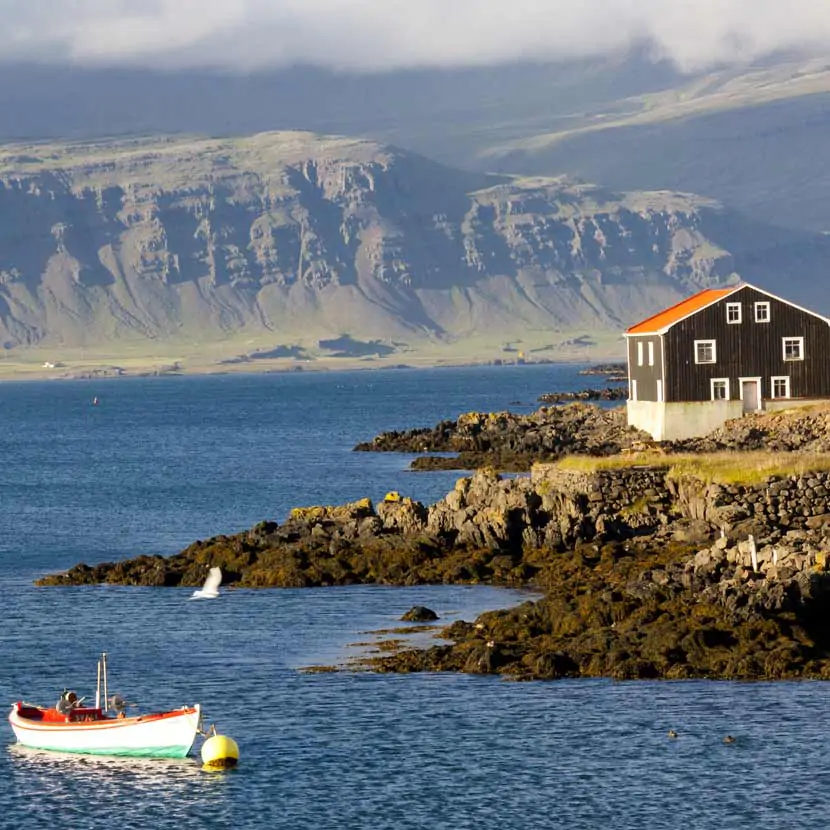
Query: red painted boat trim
(33,725)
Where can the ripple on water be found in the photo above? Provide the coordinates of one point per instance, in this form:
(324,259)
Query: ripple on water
(357,750)
(161,463)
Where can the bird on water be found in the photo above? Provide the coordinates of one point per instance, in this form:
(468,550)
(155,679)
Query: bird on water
(210,590)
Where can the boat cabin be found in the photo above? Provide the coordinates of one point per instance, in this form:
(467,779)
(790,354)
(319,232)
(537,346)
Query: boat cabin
(80,714)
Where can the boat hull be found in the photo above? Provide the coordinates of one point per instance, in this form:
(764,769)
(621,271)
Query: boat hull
(162,735)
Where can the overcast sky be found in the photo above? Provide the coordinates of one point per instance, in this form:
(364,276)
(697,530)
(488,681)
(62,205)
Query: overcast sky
(391,34)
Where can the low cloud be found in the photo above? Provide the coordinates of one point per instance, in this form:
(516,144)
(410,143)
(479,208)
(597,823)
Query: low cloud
(395,34)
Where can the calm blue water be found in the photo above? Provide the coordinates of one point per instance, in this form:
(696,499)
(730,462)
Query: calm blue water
(162,462)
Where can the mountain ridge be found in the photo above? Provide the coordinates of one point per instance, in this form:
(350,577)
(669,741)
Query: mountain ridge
(290,238)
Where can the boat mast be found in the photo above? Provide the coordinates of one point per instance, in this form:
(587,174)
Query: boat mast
(98,687)
(106,692)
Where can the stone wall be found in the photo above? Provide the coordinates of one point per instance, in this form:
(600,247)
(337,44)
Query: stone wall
(613,503)
(775,505)
(617,488)
(775,528)
(796,552)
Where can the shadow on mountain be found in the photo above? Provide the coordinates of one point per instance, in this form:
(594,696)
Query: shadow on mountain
(295,352)
(347,346)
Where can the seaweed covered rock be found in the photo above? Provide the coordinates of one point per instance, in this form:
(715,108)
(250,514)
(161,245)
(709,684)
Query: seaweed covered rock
(627,612)
(488,528)
(419,613)
(513,442)
(610,393)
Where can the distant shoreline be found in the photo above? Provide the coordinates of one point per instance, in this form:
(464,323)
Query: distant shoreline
(104,369)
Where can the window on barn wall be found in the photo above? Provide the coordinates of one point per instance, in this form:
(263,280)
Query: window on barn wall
(780,387)
(793,348)
(651,353)
(720,389)
(762,313)
(733,312)
(639,352)
(705,351)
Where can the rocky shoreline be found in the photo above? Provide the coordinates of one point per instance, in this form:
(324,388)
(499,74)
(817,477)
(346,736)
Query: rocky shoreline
(650,565)
(707,581)
(612,372)
(609,393)
(511,442)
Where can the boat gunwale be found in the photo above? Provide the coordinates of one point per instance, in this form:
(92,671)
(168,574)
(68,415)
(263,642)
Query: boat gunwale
(34,725)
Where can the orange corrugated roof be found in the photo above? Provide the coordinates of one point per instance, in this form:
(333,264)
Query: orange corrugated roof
(665,318)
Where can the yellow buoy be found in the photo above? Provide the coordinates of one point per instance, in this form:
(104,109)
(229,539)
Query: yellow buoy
(220,751)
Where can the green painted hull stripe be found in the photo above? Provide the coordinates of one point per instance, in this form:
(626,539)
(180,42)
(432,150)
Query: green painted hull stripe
(156,752)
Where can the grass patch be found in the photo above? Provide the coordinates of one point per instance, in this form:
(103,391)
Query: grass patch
(719,468)
(594,464)
(748,467)
(639,507)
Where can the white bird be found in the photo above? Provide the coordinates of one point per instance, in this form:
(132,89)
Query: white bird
(210,590)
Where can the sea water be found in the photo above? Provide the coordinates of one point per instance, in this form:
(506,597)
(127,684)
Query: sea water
(158,463)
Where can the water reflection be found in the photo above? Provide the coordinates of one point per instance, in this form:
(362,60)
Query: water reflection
(68,769)
(64,788)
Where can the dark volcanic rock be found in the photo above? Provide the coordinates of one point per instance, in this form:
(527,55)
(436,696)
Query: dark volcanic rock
(512,442)
(487,529)
(419,613)
(507,462)
(617,621)
(612,371)
(607,394)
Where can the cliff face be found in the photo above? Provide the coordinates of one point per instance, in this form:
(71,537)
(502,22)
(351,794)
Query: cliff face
(310,237)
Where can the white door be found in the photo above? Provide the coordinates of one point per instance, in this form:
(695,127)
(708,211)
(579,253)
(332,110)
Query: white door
(751,395)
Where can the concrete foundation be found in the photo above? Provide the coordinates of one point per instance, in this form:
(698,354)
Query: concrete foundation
(673,421)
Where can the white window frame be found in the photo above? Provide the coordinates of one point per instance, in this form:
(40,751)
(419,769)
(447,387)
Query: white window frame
(730,307)
(800,341)
(640,353)
(714,346)
(659,390)
(725,382)
(772,380)
(633,393)
(651,353)
(762,306)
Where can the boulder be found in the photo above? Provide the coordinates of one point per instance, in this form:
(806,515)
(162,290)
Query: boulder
(419,613)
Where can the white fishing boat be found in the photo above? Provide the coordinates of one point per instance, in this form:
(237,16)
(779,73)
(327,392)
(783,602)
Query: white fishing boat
(105,730)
